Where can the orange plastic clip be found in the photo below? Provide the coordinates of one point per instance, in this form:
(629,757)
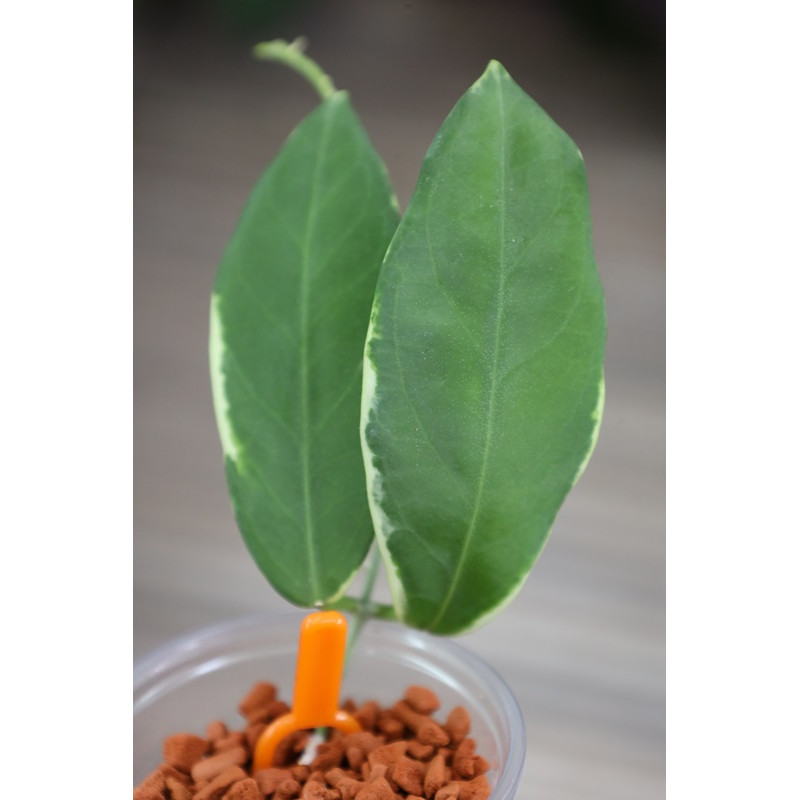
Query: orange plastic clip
(320,662)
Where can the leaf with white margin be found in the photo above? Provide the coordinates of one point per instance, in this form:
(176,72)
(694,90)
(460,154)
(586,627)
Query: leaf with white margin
(483,378)
(290,310)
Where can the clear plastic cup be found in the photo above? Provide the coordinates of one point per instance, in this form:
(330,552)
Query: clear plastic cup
(193,680)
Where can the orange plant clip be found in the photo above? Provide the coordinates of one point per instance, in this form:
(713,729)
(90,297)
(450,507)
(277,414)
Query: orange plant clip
(320,663)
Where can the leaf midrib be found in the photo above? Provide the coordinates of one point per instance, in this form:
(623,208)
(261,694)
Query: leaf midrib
(493,381)
(305,421)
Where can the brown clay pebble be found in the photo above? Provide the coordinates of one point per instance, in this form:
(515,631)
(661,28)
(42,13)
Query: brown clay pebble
(269,779)
(209,768)
(314,790)
(177,791)
(300,772)
(477,789)
(177,783)
(349,705)
(435,775)
(220,784)
(407,774)
(183,749)
(260,696)
(377,771)
(277,709)
(253,733)
(350,791)
(355,757)
(447,754)
(407,715)
(344,783)
(430,733)
(216,730)
(449,792)
(329,755)
(171,774)
(235,739)
(464,759)
(335,776)
(244,790)
(363,740)
(391,726)
(287,790)
(367,715)
(422,700)
(388,754)
(289,747)
(268,713)
(376,790)
(151,788)
(481,765)
(259,716)
(147,793)
(420,751)
(458,725)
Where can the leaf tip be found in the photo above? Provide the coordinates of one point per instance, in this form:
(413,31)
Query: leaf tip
(495,73)
(494,67)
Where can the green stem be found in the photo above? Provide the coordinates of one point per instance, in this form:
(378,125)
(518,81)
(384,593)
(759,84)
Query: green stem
(363,609)
(351,605)
(292,55)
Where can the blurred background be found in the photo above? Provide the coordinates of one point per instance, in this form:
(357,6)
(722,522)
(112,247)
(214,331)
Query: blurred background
(582,646)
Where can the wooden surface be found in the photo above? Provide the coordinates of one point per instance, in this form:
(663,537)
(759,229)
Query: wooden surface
(582,646)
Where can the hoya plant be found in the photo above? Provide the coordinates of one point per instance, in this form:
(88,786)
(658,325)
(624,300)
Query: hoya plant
(429,382)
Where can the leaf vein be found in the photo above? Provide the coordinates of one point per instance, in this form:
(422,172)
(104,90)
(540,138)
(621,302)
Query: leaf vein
(311,221)
(404,385)
(459,570)
(231,359)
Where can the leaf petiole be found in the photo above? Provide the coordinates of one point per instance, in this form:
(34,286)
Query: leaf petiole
(351,605)
(292,55)
(362,608)
(362,613)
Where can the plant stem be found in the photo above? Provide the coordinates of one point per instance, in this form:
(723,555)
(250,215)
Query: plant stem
(292,55)
(363,607)
(351,605)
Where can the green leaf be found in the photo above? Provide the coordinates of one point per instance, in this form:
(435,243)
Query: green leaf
(483,385)
(289,315)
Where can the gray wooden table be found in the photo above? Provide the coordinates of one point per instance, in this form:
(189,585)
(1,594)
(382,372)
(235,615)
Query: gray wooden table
(582,646)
